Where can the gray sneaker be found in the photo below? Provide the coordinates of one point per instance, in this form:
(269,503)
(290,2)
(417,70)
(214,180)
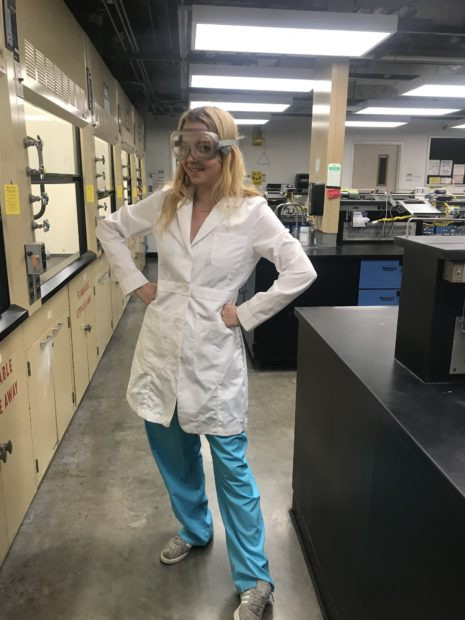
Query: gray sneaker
(253,602)
(175,550)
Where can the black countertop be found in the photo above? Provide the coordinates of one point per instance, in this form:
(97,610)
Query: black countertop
(354,250)
(446,248)
(431,415)
(10,319)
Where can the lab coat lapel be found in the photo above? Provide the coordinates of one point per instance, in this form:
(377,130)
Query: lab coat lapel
(184,214)
(214,219)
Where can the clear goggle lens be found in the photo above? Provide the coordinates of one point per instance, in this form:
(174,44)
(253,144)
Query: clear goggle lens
(202,145)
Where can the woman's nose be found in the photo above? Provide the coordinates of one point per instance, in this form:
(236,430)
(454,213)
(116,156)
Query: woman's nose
(189,157)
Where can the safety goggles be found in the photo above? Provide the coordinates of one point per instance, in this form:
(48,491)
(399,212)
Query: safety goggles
(202,145)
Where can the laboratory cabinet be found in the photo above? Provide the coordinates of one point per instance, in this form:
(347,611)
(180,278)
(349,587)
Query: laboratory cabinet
(17,474)
(351,275)
(103,307)
(50,378)
(83,329)
(379,283)
(378,474)
(118,300)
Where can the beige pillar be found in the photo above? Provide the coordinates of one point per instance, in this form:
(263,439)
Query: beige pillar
(327,139)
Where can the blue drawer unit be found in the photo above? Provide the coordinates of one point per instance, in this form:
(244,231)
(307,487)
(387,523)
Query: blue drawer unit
(378,297)
(379,282)
(380,274)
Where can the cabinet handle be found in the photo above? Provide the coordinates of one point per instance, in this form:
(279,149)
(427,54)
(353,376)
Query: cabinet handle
(389,268)
(57,328)
(46,341)
(4,449)
(385,298)
(87,327)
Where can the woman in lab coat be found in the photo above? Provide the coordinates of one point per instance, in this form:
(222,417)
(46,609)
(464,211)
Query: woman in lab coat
(189,373)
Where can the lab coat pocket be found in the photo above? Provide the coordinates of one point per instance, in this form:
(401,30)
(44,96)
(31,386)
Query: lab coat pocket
(159,339)
(215,351)
(227,250)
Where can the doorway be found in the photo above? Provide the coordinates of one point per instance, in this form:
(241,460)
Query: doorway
(375,166)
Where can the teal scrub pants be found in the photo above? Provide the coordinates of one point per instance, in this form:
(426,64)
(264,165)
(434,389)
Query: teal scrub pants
(179,460)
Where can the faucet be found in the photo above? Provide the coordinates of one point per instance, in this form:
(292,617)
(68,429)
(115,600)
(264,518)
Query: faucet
(294,209)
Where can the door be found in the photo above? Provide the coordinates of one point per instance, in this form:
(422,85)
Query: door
(81,303)
(3,531)
(375,166)
(103,309)
(42,401)
(63,373)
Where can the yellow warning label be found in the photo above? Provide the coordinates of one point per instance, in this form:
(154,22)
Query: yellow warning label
(12,200)
(119,191)
(90,193)
(144,189)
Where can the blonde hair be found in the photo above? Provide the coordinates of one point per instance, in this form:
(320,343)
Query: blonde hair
(230,183)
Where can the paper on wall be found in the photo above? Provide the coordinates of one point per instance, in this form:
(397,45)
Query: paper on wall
(433,166)
(445,169)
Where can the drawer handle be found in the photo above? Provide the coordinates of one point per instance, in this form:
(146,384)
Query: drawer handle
(386,298)
(46,341)
(57,328)
(87,327)
(389,268)
(4,449)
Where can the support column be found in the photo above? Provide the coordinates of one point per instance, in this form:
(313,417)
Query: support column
(327,140)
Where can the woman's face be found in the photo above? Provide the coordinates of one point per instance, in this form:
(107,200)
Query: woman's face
(201,173)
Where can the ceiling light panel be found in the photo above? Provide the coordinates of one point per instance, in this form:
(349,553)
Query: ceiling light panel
(251,121)
(407,111)
(375,124)
(239,106)
(292,41)
(232,82)
(458,126)
(269,31)
(437,90)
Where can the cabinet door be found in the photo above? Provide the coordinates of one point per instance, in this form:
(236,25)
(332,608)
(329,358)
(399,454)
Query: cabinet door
(80,296)
(3,529)
(91,335)
(17,473)
(103,309)
(42,401)
(117,302)
(63,374)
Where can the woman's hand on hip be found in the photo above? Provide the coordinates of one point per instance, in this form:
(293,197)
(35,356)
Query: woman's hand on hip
(229,315)
(147,292)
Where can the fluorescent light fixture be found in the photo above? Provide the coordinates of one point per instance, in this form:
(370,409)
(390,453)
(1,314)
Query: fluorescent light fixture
(251,121)
(239,106)
(232,82)
(375,124)
(437,90)
(320,108)
(260,78)
(462,126)
(296,41)
(308,33)
(403,111)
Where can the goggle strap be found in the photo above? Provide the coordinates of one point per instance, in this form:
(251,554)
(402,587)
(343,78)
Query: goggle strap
(230,142)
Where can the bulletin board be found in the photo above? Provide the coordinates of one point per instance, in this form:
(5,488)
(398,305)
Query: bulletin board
(446,161)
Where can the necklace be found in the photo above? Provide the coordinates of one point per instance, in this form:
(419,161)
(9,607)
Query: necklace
(199,209)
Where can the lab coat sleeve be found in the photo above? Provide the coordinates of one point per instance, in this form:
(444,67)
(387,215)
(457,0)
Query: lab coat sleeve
(273,241)
(114,231)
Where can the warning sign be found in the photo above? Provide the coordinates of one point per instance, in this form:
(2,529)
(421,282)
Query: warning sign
(8,385)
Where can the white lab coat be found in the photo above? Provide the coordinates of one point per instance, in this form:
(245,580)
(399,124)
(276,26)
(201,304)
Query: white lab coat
(185,354)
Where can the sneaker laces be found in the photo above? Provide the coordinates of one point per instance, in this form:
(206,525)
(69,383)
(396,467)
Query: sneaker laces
(254,600)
